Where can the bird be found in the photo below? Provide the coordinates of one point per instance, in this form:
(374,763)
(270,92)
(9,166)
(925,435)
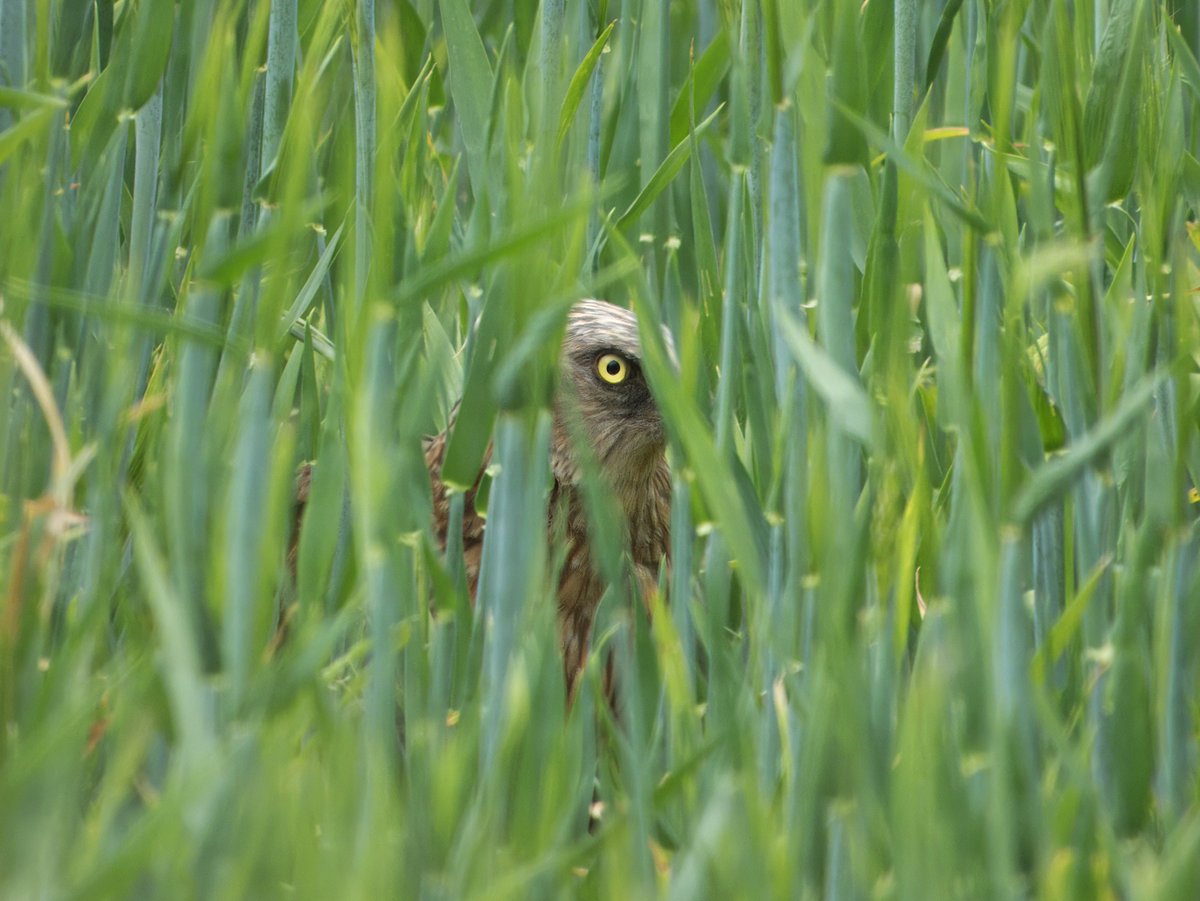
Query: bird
(602,398)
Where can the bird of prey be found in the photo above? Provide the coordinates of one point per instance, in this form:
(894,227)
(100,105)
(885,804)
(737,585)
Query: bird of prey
(603,398)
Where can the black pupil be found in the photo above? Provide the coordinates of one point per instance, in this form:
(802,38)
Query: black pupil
(613,367)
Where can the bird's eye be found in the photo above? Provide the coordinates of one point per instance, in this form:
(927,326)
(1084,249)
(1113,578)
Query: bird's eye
(612,368)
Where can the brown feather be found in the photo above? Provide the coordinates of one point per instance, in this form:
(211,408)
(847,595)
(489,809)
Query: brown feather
(623,427)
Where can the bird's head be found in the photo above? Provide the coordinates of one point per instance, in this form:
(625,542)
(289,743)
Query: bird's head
(606,388)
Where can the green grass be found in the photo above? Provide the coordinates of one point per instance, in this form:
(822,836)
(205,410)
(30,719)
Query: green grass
(932,272)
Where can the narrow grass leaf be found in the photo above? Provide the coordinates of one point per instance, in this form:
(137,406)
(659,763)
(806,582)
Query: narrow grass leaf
(180,661)
(662,177)
(308,293)
(703,79)
(470,84)
(847,403)
(579,83)
(1057,475)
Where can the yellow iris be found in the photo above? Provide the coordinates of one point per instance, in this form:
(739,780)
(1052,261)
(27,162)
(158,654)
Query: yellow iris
(612,368)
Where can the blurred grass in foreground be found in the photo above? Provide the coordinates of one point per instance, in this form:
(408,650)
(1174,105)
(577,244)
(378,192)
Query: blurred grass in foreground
(932,272)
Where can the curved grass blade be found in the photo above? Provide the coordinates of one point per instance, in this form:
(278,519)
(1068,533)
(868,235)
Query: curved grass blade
(1056,476)
(470,85)
(663,176)
(308,294)
(579,83)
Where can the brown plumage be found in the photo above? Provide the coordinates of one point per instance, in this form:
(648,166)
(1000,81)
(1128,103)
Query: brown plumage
(602,390)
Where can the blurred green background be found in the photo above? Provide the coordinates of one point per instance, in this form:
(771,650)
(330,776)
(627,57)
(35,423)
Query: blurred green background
(933,626)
